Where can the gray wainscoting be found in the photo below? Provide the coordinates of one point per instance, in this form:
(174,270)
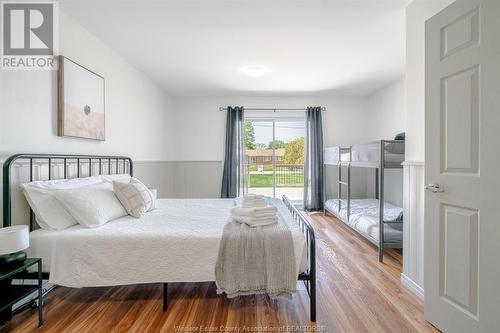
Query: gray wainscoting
(156,174)
(196,179)
(181,179)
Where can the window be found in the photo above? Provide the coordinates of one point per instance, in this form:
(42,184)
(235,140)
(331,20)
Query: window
(266,171)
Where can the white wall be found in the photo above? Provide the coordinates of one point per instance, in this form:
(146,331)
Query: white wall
(200,126)
(139,115)
(386,110)
(417,13)
(386,118)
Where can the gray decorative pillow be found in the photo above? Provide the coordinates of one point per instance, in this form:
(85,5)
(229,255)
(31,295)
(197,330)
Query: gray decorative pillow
(134,196)
(396,148)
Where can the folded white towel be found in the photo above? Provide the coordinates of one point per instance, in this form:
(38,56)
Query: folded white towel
(252,196)
(250,200)
(253,200)
(260,216)
(253,204)
(255,222)
(255,211)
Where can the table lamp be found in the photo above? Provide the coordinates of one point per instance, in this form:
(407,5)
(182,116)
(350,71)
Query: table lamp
(13,240)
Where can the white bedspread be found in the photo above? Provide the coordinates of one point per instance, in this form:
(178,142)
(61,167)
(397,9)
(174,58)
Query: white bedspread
(177,242)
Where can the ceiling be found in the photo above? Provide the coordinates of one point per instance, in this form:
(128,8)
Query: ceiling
(199,48)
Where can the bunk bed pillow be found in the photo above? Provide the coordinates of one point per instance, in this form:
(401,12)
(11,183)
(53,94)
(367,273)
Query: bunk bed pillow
(397,147)
(400,136)
(92,206)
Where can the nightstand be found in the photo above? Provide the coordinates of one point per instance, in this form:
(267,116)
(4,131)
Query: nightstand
(11,294)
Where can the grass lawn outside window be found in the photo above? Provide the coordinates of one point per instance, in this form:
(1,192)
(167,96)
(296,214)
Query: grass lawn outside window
(266,180)
(267,167)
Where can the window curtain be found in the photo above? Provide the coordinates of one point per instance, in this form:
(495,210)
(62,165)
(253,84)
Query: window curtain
(232,175)
(313,164)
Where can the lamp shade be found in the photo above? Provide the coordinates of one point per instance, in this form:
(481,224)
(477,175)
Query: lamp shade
(14,239)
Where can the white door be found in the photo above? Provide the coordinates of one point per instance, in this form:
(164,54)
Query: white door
(462,201)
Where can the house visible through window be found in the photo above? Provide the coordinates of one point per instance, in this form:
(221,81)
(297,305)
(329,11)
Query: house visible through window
(267,143)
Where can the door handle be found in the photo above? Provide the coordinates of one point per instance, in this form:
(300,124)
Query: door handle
(434,187)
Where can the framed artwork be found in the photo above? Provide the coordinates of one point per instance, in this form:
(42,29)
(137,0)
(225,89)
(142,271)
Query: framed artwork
(81,111)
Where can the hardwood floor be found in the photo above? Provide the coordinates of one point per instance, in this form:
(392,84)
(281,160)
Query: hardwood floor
(355,294)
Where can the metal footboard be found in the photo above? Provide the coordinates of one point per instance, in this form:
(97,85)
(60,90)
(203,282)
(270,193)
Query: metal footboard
(309,276)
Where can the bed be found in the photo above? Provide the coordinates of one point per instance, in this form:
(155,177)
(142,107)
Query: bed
(180,233)
(177,242)
(379,155)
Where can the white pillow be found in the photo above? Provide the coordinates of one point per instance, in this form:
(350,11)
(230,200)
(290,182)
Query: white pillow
(118,177)
(92,206)
(155,196)
(49,212)
(134,196)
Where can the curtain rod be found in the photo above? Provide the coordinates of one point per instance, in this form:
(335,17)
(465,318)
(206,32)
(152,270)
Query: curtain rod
(272,109)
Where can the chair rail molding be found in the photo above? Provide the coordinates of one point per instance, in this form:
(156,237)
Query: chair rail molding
(413,229)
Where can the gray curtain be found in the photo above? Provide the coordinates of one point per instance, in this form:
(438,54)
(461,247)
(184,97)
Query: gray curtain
(232,176)
(313,166)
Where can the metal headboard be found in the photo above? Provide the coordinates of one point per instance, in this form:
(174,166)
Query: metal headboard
(121,163)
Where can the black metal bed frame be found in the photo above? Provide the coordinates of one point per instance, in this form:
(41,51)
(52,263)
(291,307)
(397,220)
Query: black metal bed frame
(101,161)
(309,276)
(51,160)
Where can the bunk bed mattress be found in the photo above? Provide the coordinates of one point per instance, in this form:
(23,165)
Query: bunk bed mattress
(367,207)
(334,155)
(177,242)
(364,218)
(368,155)
(368,226)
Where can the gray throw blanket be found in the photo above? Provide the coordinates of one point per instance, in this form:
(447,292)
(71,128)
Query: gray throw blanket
(256,260)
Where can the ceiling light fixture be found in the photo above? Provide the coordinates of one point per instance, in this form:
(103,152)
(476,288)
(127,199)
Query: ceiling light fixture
(254,71)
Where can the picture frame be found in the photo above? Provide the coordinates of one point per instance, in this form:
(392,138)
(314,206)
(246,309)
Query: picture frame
(81,101)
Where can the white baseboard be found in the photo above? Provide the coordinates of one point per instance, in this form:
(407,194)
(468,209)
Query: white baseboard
(410,284)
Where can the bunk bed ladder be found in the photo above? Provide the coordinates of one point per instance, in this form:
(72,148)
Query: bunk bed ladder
(380,188)
(347,183)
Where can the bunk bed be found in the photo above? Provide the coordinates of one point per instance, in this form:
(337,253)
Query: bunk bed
(384,230)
